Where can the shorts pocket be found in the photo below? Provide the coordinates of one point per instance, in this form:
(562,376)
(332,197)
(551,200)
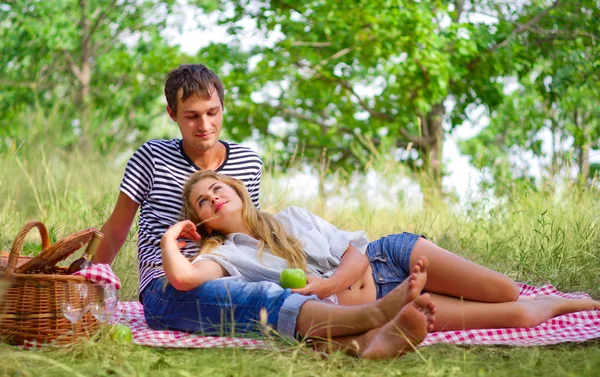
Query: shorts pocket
(384,271)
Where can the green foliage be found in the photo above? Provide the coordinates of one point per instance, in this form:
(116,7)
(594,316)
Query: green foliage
(558,74)
(339,73)
(344,77)
(100,65)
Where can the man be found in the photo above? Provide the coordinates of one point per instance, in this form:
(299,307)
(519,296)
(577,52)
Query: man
(156,172)
(153,181)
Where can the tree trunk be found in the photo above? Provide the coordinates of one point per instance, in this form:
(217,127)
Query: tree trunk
(434,121)
(85,78)
(431,127)
(323,168)
(554,162)
(583,160)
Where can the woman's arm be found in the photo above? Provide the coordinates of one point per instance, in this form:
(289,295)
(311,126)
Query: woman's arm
(352,267)
(180,272)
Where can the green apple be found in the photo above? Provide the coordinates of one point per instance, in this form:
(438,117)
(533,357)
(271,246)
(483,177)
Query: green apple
(121,333)
(292,278)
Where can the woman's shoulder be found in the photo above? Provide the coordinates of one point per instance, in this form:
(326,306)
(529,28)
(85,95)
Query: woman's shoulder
(294,214)
(294,211)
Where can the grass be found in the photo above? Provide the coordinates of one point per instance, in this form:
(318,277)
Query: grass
(537,237)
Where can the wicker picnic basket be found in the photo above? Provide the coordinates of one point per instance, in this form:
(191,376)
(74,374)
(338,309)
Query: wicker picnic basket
(32,290)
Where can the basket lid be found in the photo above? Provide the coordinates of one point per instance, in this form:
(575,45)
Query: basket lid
(64,247)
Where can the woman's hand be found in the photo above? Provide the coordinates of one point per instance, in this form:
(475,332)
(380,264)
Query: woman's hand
(183,229)
(180,272)
(323,288)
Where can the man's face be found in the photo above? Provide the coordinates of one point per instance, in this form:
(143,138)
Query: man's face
(199,120)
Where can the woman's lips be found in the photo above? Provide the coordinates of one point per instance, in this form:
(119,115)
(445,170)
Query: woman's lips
(218,207)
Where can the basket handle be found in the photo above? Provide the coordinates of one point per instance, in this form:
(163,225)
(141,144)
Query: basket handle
(20,240)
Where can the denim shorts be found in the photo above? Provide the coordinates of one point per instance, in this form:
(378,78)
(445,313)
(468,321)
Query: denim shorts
(390,260)
(223,307)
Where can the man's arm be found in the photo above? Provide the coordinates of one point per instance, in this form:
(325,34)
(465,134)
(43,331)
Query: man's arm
(116,229)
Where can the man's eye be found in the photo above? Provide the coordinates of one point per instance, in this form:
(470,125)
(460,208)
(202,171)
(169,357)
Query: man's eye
(212,113)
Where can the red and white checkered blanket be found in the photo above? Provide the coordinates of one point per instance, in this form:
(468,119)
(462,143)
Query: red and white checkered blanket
(575,327)
(131,314)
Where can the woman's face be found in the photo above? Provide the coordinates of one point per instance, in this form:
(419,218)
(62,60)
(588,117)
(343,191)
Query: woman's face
(217,204)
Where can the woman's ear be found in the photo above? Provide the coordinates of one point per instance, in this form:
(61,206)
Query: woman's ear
(207,229)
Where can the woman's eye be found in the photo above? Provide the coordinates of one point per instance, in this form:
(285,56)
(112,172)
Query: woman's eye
(202,201)
(217,188)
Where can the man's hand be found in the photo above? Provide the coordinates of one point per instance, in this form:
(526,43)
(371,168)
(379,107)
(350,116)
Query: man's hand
(323,288)
(183,229)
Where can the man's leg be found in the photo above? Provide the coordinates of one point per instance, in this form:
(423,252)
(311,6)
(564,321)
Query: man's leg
(219,307)
(228,307)
(400,335)
(317,319)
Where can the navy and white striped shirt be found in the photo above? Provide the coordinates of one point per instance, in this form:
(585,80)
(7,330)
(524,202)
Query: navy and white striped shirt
(154,179)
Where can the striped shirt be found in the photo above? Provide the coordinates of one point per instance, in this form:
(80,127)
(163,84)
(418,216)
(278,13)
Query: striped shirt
(154,179)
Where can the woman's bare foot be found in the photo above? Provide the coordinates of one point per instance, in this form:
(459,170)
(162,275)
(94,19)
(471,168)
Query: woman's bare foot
(565,305)
(390,305)
(403,333)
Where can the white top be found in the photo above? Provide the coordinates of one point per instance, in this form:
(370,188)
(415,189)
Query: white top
(324,246)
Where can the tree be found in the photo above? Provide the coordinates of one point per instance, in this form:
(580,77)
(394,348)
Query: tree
(558,72)
(348,76)
(105,57)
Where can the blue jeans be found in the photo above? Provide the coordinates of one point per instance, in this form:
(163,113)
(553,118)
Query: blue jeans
(390,260)
(226,307)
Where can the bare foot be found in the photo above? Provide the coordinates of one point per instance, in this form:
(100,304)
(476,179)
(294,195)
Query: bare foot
(565,305)
(390,305)
(403,333)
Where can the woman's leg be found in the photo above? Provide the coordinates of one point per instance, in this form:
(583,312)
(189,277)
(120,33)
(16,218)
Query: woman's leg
(455,314)
(455,276)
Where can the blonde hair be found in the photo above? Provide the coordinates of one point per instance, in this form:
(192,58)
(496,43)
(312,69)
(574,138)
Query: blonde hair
(263,226)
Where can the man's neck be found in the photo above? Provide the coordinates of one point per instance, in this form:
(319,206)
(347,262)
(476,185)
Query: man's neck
(209,159)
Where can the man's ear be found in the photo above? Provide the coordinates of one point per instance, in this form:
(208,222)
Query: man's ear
(172,114)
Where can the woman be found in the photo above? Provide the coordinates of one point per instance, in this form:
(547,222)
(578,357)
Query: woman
(238,240)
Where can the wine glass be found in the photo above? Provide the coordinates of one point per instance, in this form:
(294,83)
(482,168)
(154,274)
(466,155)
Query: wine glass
(75,303)
(105,302)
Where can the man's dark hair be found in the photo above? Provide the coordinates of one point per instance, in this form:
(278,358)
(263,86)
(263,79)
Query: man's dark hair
(194,79)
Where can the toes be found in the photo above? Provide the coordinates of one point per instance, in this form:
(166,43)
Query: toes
(431,319)
(416,269)
(423,301)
